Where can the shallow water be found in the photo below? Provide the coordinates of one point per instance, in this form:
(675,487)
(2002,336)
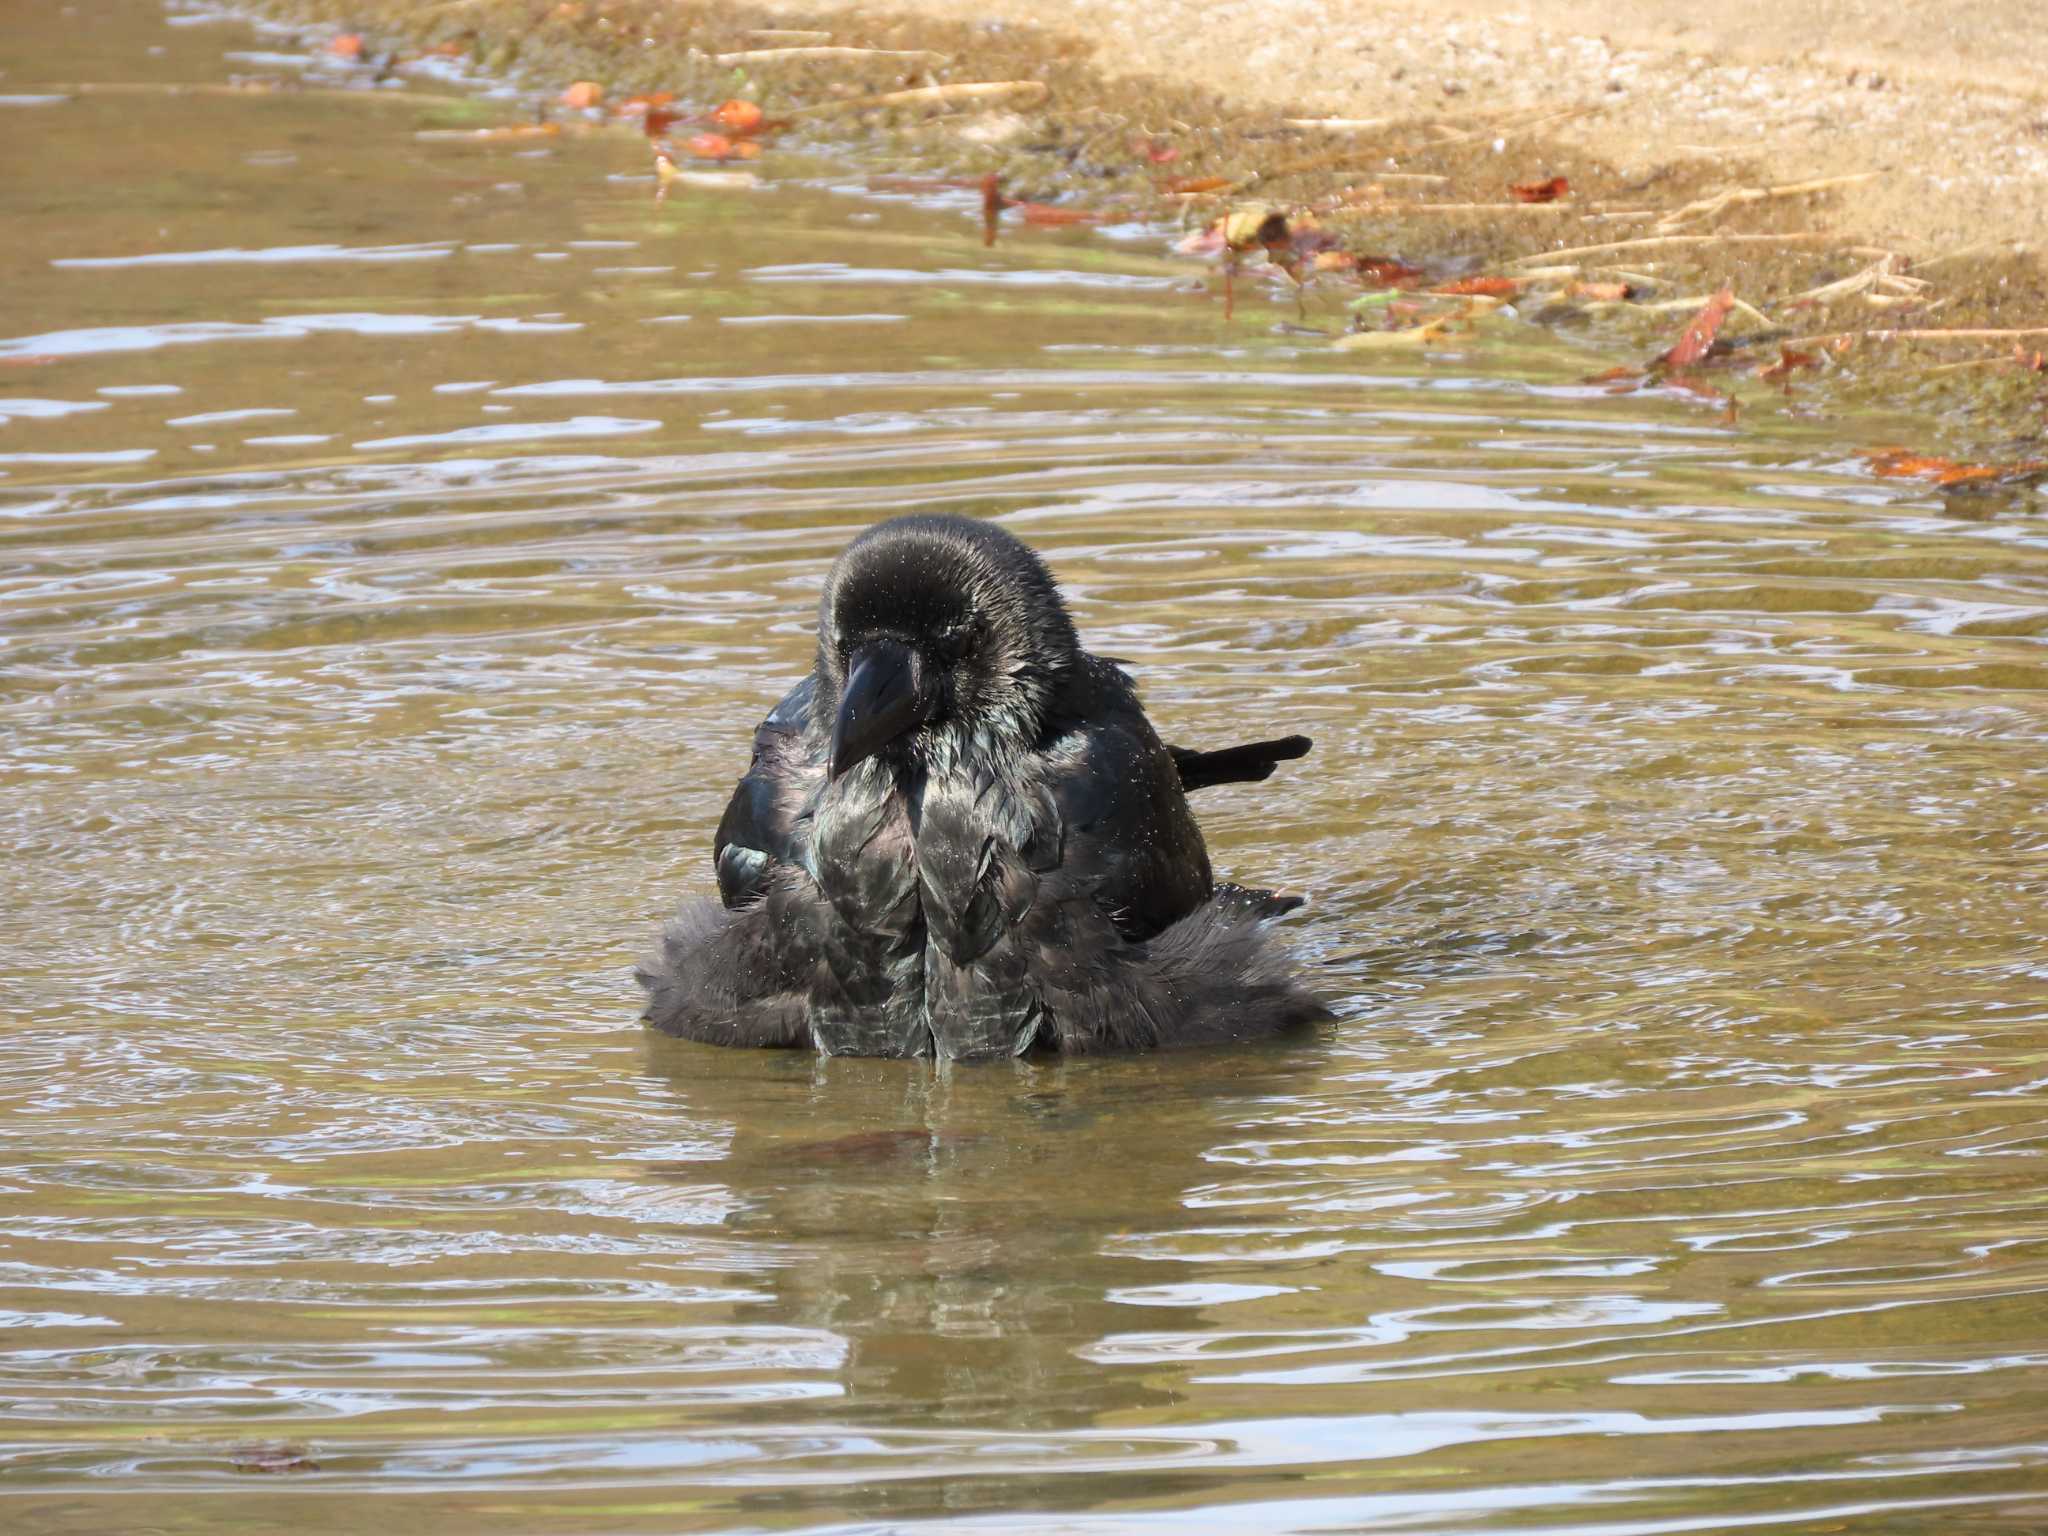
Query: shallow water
(399,538)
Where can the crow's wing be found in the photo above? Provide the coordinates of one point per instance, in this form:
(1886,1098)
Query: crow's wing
(1126,832)
(1246,764)
(759,830)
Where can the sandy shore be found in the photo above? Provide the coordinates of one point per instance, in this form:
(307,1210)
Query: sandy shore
(1865,187)
(1948,105)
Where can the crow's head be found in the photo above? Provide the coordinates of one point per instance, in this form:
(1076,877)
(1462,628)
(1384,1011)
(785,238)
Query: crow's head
(938,627)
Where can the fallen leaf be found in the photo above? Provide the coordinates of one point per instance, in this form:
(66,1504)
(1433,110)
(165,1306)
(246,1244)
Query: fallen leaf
(1484,287)
(658,121)
(1158,151)
(276,1456)
(640,106)
(1385,269)
(992,204)
(1600,293)
(738,118)
(1427,334)
(1541,191)
(711,146)
(667,173)
(1896,463)
(2030,362)
(1699,335)
(1187,186)
(1253,224)
(1789,362)
(1335,261)
(1047,213)
(583,94)
(1634,376)
(349,45)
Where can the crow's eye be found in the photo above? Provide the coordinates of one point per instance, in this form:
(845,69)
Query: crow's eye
(955,640)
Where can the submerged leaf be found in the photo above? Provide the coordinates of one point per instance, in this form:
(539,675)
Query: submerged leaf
(1699,335)
(1484,287)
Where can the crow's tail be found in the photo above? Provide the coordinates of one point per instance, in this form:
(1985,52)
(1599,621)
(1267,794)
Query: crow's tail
(1248,764)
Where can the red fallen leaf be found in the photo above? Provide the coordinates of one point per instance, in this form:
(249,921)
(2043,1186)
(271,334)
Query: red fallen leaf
(1485,287)
(1185,186)
(711,146)
(347,46)
(1046,213)
(992,205)
(1158,151)
(1788,362)
(1541,191)
(658,121)
(738,118)
(640,106)
(584,93)
(1699,335)
(1386,271)
(1615,375)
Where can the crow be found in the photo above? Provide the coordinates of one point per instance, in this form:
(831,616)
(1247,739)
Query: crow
(960,837)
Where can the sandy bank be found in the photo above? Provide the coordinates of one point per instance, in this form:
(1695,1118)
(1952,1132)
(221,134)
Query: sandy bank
(1949,105)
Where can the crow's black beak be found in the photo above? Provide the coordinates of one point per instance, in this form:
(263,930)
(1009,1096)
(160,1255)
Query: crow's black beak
(883,699)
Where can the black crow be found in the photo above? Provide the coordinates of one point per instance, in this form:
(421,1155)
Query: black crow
(961,837)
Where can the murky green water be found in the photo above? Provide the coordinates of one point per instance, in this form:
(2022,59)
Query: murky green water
(398,540)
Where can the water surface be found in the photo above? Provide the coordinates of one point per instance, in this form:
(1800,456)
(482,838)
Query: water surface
(398,540)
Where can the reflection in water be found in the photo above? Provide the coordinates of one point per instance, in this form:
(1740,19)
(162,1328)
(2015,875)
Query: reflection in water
(1674,837)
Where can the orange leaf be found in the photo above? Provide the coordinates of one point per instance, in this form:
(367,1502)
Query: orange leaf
(347,46)
(710,146)
(1601,293)
(1699,335)
(1386,271)
(1541,191)
(1046,213)
(1896,463)
(738,118)
(1181,186)
(1788,361)
(584,93)
(1615,375)
(1488,287)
